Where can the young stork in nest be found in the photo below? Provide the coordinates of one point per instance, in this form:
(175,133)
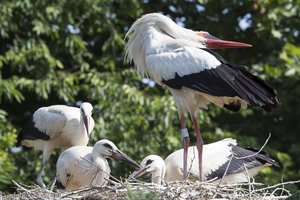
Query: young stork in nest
(223,159)
(82,166)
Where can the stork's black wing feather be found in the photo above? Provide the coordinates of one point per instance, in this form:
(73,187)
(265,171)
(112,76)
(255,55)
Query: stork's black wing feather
(228,80)
(236,165)
(30,132)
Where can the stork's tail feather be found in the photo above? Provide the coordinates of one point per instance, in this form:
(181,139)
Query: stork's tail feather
(241,83)
(262,94)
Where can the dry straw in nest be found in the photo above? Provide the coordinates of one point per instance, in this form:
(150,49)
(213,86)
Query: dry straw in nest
(176,190)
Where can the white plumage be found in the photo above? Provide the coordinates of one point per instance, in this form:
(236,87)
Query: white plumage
(216,156)
(57,126)
(82,166)
(160,48)
(180,59)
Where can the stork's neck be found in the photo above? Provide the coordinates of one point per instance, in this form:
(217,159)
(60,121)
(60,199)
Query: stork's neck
(156,41)
(98,159)
(158,175)
(172,37)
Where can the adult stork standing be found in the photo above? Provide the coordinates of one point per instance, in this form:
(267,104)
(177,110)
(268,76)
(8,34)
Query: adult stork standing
(224,161)
(181,59)
(82,166)
(57,126)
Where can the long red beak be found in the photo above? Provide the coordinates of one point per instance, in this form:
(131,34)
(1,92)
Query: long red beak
(216,43)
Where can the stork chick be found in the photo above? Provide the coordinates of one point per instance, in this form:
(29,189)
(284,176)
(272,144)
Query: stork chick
(222,158)
(82,166)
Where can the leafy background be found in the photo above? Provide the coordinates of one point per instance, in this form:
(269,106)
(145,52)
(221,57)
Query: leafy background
(65,52)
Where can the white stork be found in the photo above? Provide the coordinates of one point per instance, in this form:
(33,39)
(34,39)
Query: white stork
(82,166)
(219,158)
(57,126)
(180,59)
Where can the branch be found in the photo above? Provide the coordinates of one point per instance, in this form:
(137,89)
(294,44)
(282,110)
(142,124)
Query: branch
(256,153)
(277,185)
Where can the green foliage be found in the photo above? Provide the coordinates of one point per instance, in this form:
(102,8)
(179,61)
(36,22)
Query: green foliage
(60,51)
(8,137)
(141,194)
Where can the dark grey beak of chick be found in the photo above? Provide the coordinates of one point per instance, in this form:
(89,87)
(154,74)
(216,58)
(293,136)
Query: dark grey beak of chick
(119,155)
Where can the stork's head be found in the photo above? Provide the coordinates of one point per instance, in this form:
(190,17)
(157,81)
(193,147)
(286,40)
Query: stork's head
(153,165)
(138,37)
(86,110)
(108,149)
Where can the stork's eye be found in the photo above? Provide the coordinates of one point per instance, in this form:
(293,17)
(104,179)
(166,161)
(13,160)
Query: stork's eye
(149,162)
(107,145)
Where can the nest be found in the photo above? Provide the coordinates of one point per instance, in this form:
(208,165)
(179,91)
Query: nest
(149,191)
(176,190)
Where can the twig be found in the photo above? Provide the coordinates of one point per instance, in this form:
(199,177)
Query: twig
(225,173)
(189,171)
(258,152)
(76,192)
(174,190)
(21,187)
(282,176)
(53,184)
(249,187)
(277,185)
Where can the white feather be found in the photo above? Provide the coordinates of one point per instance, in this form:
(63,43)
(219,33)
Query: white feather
(64,125)
(160,48)
(80,166)
(166,64)
(214,155)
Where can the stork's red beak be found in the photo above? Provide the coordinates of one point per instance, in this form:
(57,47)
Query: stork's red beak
(216,43)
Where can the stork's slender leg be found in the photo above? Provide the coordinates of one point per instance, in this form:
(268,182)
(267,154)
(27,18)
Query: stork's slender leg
(46,156)
(39,179)
(199,146)
(185,144)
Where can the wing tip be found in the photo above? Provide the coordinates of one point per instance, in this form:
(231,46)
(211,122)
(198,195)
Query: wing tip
(272,104)
(30,132)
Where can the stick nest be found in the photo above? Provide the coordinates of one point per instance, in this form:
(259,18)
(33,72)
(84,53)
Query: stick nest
(142,190)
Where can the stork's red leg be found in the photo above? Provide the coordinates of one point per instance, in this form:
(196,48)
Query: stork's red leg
(185,144)
(199,146)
